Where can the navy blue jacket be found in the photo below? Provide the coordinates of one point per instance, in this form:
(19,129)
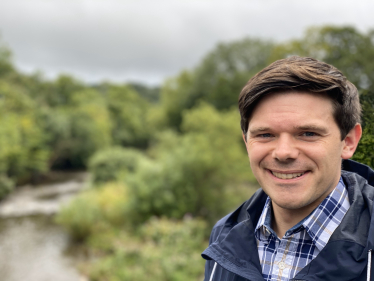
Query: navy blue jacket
(232,254)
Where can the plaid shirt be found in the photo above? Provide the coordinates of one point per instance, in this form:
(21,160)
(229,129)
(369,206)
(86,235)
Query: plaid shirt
(282,259)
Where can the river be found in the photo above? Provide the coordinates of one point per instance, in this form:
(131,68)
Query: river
(32,246)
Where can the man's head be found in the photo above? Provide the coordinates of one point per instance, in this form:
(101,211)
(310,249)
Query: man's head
(300,117)
(303,74)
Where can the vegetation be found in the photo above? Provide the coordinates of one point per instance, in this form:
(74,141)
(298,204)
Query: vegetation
(165,163)
(162,248)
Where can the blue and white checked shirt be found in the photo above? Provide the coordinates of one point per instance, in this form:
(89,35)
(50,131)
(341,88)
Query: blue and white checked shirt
(282,259)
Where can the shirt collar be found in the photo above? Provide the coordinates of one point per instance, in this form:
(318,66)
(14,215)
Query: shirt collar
(320,224)
(263,231)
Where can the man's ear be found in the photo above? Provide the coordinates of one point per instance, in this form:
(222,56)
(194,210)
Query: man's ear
(244,139)
(351,141)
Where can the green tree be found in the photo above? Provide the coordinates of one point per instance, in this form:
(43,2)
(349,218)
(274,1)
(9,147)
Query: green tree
(189,173)
(23,151)
(113,164)
(128,112)
(152,94)
(77,130)
(6,66)
(218,79)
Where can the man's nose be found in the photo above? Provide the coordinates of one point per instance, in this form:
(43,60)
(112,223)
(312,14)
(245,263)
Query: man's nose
(285,148)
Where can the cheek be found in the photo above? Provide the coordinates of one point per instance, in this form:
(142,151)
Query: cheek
(256,154)
(326,157)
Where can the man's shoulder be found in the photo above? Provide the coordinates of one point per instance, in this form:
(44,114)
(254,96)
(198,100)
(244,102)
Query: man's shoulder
(352,168)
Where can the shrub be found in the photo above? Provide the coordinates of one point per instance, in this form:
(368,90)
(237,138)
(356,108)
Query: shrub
(77,129)
(190,173)
(94,209)
(6,186)
(23,150)
(112,164)
(164,250)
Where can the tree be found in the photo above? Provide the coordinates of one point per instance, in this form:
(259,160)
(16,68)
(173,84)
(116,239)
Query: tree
(128,113)
(23,149)
(152,94)
(6,66)
(75,131)
(190,172)
(218,79)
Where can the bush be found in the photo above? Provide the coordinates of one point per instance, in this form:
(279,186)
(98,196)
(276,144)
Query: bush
(6,186)
(163,250)
(23,149)
(77,129)
(94,209)
(113,164)
(190,173)
(128,112)
(365,152)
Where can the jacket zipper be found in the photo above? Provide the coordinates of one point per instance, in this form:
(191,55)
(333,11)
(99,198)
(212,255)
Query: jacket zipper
(214,269)
(369,266)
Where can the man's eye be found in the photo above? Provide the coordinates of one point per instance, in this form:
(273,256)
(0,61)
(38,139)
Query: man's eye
(309,134)
(264,135)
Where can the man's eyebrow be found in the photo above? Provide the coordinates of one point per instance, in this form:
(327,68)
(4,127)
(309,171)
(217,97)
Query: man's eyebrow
(311,127)
(307,127)
(256,130)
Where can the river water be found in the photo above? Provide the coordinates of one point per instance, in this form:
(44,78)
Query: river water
(32,246)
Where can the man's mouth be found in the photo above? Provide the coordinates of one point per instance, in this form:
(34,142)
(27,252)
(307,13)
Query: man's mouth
(285,176)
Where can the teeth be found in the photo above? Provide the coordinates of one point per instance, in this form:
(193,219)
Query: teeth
(287,176)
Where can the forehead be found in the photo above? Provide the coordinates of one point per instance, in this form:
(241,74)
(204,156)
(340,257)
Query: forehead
(292,106)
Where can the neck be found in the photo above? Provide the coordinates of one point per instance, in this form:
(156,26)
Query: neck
(283,219)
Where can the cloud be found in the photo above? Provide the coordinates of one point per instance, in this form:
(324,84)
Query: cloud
(148,40)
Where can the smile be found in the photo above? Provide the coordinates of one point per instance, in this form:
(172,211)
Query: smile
(284,176)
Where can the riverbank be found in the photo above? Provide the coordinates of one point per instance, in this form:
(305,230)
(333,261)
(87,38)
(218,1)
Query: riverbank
(32,246)
(46,198)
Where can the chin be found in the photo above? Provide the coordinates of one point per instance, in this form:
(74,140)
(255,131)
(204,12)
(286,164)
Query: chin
(291,205)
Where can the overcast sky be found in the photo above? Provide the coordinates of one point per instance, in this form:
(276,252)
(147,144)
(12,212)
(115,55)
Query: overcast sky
(149,40)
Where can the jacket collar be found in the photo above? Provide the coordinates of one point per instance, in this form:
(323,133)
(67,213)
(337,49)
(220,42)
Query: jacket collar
(345,255)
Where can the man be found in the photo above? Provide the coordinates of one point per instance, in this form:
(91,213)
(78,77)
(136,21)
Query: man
(312,219)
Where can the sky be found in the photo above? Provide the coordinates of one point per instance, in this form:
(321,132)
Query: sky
(147,41)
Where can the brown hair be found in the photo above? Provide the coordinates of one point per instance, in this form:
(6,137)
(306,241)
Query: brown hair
(303,74)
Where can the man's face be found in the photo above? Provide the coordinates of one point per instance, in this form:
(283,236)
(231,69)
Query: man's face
(295,149)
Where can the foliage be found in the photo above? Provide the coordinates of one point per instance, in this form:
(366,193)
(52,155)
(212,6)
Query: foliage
(77,130)
(107,205)
(365,152)
(167,249)
(224,71)
(190,173)
(22,142)
(217,80)
(80,216)
(343,47)
(113,163)
(128,113)
(175,97)
(6,186)
(185,174)
(152,94)
(6,67)
(63,91)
